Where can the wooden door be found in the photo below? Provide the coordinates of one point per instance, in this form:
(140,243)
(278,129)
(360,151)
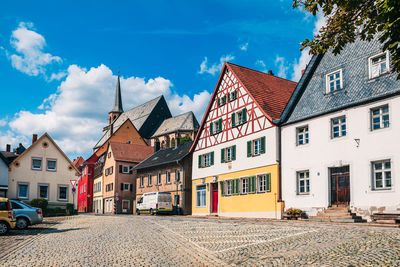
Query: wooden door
(340,186)
(214,194)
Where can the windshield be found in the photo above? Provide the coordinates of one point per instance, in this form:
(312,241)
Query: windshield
(164,198)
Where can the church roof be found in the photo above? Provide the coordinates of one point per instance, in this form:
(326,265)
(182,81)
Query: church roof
(137,115)
(117,99)
(183,122)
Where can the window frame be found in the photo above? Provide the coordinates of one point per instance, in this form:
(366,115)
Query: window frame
(370,65)
(340,125)
(253,147)
(41,163)
(123,169)
(158,178)
(306,135)
(48,190)
(66,193)
(381,114)
(327,81)
(243,180)
(203,197)
(149,180)
(305,178)
(27,190)
(383,171)
(141,182)
(228,184)
(258,181)
(227,158)
(126,184)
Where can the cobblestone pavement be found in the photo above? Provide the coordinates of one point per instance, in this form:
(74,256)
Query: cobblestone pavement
(89,240)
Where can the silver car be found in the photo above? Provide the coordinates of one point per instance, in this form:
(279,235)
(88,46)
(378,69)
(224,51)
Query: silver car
(25,214)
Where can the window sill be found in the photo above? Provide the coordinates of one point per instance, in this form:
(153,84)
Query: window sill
(303,194)
(36,169)
(382,190)
(373,79)
(334,92)
(63,200)
(51,170)
(200,207)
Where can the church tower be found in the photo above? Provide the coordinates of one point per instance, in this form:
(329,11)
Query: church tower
(117,110)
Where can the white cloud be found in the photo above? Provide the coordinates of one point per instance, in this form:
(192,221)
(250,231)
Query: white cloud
(180,104)
(300,64)
(30,58)
(216,67)
(261,64)
(244,46)
(3,122)
(282,65)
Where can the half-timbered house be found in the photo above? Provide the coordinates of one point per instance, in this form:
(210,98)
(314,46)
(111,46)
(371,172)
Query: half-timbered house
(236,151)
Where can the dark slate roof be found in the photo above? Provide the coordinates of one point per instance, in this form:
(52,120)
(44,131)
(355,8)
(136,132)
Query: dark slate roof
(165,156)
(9,156)
(4,159)
(117,99)
(138,117)
(183,122)
(310,98)
(271,92)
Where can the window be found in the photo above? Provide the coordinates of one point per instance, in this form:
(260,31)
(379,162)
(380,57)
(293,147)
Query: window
(222,101)
(201,196)
(378,65)
(303,182)
(63,192)
(380,117)
(264,183)
(159,178)
(302,135)
(141,181)
(239,118)
(177,175)
(206,160)
(43,191)
(216,127)
(149,182)
(228,187)
(256,147)
(338,127)
(334,81)
(36,164)
(51,164)
(15,206)
(382,174)
(126,187)
(244,185)
(232,95)
(84,188)
(23,189)
(168,177)
(125,169)
(228,154)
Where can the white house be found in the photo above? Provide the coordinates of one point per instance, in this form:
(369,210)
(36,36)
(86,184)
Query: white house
(340,134)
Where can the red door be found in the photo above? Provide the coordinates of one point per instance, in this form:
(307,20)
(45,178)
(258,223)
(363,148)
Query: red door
(214,194)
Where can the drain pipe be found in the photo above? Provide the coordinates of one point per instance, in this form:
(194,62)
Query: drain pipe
(280,163)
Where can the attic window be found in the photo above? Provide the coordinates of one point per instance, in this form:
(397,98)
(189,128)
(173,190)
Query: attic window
(45,144)
(129,142)
(70,168)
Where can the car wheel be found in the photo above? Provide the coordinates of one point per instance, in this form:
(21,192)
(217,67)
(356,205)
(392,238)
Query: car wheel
(4,228)
(22,223)
(137,212)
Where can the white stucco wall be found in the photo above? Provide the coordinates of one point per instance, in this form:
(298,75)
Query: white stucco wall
(322,152)
(3,173)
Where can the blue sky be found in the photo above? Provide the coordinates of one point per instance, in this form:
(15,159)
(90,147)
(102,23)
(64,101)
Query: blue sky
(58,61)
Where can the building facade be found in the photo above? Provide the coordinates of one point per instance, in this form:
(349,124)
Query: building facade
(98,185)
(168,170)
(42,171)
(85,184)
(236,151)
(339,134)
(119,178)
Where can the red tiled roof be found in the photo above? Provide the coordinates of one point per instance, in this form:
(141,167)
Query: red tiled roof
(271,93)
(131,152)
(78,162)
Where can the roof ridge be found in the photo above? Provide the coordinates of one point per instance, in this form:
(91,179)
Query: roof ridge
(145,103)
(260,72)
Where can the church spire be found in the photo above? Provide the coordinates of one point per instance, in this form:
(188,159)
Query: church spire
(117,100)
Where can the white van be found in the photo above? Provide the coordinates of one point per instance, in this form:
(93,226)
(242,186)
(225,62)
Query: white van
(154,203)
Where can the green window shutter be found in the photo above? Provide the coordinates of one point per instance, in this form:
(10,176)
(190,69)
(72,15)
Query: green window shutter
(233,119)
(248,185)
(229,97)
(220,125)
(248,149)
(237,186)
(222,155)
(212,158)
(219,102)
(211,128)
(262,145)
(268,182)
(199,161)
(244,115)
(233,187)
(224,100)
(254,178)
(235,94)
(234,152)
(222,188)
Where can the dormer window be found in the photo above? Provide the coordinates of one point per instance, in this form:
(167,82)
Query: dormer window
(232,95)
(378,65)
(222,101)
(334,81)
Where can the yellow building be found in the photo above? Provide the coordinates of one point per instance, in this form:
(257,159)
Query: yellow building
(236,151)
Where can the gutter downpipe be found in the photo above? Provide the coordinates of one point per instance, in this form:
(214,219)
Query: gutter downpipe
(183,187)
(279,156)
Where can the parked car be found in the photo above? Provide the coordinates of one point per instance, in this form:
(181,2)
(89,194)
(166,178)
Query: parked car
(7,220)
(25,214)
(154,203)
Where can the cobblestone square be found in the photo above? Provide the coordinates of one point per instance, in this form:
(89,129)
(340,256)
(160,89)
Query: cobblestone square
(89,240)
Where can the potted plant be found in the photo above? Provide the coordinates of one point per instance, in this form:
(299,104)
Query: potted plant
(294,214)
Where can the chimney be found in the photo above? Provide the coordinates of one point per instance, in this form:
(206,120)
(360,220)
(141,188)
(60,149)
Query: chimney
(302,72)
(8,148)
(156,146)
(270,72)
(34,138)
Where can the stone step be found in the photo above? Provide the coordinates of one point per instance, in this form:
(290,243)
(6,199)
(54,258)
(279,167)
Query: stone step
(344,217)
(335,214)
(337,210)
(330,220)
